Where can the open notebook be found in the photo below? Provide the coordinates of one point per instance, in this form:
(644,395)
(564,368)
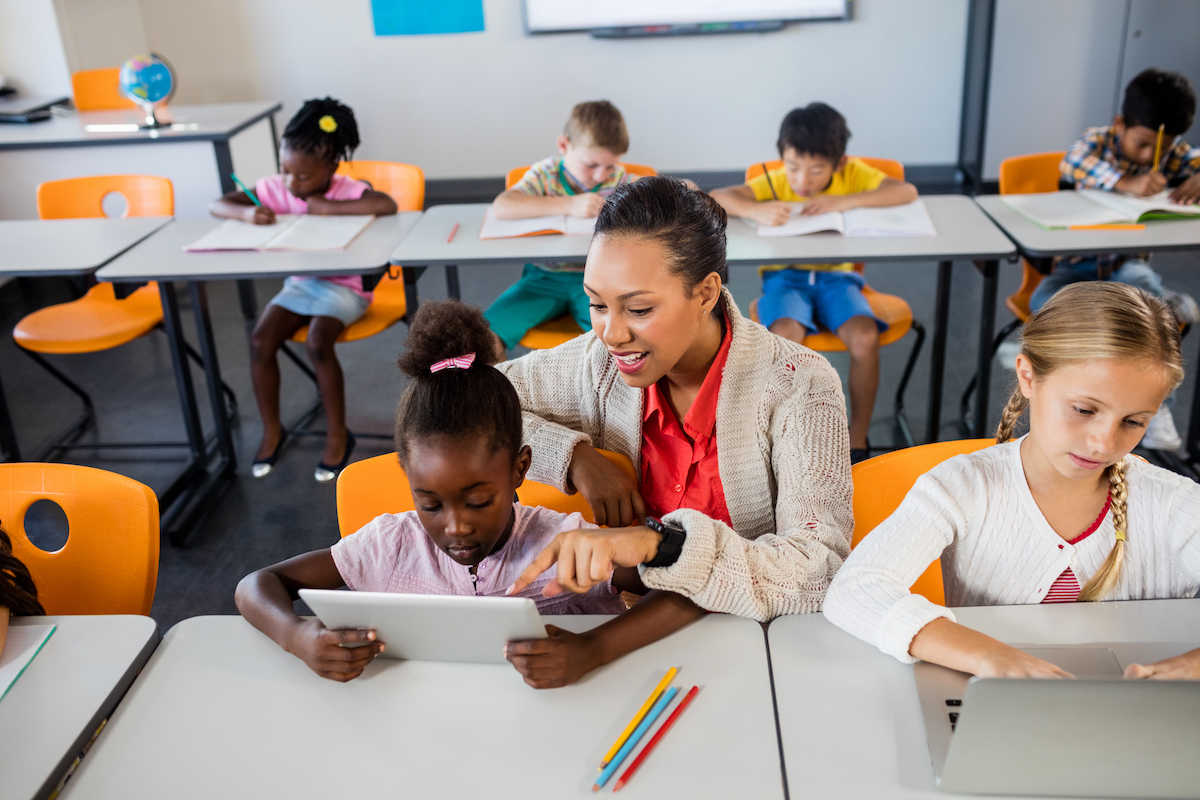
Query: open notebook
(1093,207)
(290,232)
(22,644)
(535,226)
(910,219)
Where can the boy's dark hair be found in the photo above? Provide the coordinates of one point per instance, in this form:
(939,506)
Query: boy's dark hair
(323,128)
(688,223)
(17,591)
(814,130)
(598,123)
(473,402)
(1156,97)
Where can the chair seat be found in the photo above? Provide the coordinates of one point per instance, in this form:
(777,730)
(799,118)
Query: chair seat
(552,333)
(95,322)
(388,306)
(888,307)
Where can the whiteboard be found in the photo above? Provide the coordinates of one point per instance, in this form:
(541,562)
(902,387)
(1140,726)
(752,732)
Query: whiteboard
(545,16)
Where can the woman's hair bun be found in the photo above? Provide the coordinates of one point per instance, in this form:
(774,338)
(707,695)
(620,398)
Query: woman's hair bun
(444,329)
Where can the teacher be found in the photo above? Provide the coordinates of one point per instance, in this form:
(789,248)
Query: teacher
(740,436)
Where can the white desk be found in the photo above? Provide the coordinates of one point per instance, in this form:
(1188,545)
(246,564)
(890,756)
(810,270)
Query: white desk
(849,717)
(161,258)
(69,688)
(222,711)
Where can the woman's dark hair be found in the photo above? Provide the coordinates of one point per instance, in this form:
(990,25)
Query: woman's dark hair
(1156,97)
(17,590)
(473,402)
(815,130)
(325,129)
(688,223)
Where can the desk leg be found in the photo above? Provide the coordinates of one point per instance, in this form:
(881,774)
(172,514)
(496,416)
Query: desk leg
(10,450)
(247,299)
(987,325)
(452,282)
(411,299)
(212,372)
(937,357)
(187,401)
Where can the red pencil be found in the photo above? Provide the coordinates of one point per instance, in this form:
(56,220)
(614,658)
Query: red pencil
(453,231)
(637,762)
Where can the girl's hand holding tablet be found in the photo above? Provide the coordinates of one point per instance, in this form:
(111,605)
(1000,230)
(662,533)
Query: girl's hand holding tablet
(611,493)
(558,660)
(337,655)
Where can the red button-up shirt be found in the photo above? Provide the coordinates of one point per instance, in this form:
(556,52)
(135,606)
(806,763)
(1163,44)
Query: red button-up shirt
(678,472)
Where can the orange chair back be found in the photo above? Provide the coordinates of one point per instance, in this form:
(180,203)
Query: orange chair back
(72,198)
(403,182)
(109,564)
(880,484)
(98,90)
(888,166)
(1037,172)
(378,485)
(516,173)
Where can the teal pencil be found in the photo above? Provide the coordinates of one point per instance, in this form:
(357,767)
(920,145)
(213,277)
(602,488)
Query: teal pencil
(635,737)
(249,193)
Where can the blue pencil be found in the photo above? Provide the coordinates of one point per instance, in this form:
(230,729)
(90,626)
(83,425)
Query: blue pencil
(249,193)
(635,737)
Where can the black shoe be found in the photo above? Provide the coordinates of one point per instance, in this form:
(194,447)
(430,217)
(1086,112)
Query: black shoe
(326,473)
(263,468)
(858,454)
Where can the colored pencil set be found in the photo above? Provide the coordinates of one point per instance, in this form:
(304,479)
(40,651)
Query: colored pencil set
(637,728)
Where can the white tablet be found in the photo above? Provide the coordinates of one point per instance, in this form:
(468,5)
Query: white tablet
(431,627)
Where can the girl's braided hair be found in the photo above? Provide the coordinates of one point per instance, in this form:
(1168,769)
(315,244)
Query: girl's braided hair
(17,590)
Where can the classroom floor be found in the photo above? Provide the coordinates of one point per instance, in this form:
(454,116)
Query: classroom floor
(258,522)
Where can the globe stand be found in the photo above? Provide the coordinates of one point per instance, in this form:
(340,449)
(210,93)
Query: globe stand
(152,122)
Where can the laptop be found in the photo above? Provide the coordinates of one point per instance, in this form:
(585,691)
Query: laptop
(1097,736)
(430,627)
(28,109)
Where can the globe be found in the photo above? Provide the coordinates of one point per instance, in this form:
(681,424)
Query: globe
(146,80)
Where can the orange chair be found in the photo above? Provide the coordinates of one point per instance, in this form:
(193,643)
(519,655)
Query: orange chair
(554,332)
(1030,174)
(97,321)
(378,485)
(109,564)
(888,307)
(403,182)
(98,90)
(880,484)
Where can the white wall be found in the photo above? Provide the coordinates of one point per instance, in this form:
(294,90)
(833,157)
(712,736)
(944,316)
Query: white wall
(100,33)
(476,104)
(31,51)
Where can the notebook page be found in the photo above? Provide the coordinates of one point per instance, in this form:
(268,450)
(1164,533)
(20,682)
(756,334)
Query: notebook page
(316,232)
(798,225)
(581,226)
(1062,209)
(910,219)
(233,234)
(508,228)
(1134,207)
(22,644)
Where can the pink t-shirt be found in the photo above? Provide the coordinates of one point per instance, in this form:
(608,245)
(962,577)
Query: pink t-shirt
(392,553)
(273,193)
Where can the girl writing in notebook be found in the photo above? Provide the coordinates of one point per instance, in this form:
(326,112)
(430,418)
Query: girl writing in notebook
(18,594)
(1062,514)
(322,134)
(459,439)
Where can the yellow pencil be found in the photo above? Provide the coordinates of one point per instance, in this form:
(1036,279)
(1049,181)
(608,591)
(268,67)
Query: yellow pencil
(637,718)
(1158,146)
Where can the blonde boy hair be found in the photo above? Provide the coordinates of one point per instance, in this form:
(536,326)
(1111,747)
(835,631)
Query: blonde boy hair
(1088,321)
(597,123)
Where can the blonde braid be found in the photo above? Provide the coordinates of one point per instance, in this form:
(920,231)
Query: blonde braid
(1008,418)
(1103,581)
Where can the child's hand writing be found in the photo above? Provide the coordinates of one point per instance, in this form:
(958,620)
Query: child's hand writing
(321,649)
(585,205)
(1009,662)
(612,495)
(1143,185)
(558,660)
(1180,668)
(824,203)
(259,215)
(1187,192)
(772,213)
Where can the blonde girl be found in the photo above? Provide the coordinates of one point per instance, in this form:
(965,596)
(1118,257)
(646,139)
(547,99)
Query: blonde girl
(1061,514)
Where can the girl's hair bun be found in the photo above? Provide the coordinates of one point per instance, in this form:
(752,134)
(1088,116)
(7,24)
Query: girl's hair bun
(325,128)
(445,329)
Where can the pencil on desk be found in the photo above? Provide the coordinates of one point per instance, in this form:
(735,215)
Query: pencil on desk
(650,745)
(1137,227)
(1158,146)
(249,193)
(453,231)
(631,743)
(633,723)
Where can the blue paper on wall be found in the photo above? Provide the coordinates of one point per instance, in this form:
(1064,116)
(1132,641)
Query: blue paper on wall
(409,17)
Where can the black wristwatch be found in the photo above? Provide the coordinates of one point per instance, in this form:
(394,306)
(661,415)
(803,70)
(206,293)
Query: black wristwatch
(671,545)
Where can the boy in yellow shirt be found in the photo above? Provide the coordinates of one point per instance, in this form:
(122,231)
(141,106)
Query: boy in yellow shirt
(798,300)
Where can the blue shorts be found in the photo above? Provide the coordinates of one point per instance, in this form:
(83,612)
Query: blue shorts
(815,298)
(313,297)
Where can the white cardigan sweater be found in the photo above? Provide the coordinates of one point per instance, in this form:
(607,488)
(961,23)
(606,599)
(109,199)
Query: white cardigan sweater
(782,451)
(996,547)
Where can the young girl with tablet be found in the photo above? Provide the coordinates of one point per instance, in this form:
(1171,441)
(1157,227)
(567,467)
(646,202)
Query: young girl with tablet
(1064,513)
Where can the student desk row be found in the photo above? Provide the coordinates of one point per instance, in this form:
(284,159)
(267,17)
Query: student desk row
(964,234)
(219,705)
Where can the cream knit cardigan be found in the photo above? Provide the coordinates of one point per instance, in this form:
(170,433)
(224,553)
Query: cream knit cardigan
(977,513)
(782,451)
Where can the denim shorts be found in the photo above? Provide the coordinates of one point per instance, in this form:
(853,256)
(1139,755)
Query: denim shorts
(313,297)
(814,298)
